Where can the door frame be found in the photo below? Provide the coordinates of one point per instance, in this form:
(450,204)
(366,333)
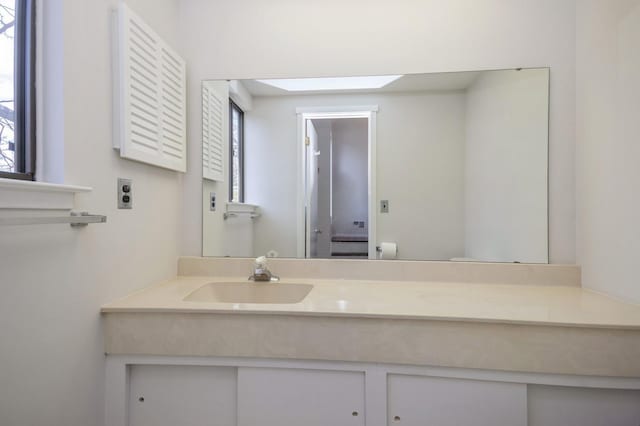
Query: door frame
(302,200)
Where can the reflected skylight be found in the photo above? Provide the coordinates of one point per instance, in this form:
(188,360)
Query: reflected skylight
(331,83)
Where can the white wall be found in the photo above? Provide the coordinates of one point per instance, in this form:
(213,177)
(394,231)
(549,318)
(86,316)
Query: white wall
(350,168)
(425,195)
(421,174)
(506,167)
(608,152)
(270,170)
(239,237)
(54,279)
(369,37)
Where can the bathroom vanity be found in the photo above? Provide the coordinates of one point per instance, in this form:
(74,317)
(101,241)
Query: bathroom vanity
(355,342)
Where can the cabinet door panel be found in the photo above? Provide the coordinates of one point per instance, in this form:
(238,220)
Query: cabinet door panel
(434,401)
(558,405)
(163,395)
(295,397)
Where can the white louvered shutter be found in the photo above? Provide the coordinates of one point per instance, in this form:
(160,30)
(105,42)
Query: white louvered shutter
(215,128)
(150,98)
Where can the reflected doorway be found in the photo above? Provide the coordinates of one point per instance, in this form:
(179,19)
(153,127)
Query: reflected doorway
(337,186)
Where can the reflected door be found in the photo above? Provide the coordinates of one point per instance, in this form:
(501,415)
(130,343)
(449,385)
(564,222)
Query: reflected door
(313,227)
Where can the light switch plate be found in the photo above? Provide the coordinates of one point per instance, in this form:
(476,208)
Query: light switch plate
(125,194)
(212,201)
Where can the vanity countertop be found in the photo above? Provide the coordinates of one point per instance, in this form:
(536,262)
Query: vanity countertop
(531,328)
(408,300)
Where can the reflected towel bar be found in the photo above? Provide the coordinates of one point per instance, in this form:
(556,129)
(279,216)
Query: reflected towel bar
(75,219)
(237,214)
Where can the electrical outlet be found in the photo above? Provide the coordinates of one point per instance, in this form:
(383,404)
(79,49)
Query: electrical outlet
(384,206)
(212,201)
(125,194)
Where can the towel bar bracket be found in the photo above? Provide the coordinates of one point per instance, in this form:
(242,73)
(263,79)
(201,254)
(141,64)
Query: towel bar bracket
(82,219)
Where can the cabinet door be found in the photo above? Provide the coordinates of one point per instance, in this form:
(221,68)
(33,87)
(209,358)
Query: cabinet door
(162,395)
(434,401)
(295,397)
(558,405)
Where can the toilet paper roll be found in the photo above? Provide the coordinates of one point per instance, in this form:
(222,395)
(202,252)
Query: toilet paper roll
(388,250)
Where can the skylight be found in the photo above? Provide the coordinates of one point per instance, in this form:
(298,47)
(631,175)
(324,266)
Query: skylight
(331,83)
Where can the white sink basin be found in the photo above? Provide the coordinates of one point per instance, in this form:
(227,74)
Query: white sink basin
(267,292)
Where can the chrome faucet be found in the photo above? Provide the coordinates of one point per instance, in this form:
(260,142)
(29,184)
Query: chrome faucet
(261,272)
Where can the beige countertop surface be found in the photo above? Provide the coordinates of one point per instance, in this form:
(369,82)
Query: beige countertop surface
(409,300)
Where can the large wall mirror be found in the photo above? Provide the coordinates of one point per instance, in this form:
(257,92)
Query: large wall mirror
(446,166)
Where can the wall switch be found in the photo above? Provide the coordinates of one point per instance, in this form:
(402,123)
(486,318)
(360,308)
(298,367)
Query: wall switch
(125,194)
(212,201)
(384,206)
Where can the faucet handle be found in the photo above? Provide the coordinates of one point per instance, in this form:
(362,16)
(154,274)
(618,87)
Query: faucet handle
(260,262)
(261,272)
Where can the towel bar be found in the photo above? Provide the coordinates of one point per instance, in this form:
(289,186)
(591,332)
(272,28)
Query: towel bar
(226,216)
(76,219)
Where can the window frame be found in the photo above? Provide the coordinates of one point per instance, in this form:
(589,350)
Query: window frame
(24,92)
(234,107)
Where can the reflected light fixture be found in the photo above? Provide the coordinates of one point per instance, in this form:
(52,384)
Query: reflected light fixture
(331,83)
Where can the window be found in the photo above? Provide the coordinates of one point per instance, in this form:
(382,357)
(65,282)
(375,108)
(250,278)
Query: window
(236,150)
(17,94)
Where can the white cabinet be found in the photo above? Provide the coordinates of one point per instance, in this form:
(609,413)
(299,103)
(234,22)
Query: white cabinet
(434,401)
(561,405)
(247,392)
(163,395)
(295,397)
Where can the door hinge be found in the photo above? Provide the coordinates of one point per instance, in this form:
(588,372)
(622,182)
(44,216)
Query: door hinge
(307,141)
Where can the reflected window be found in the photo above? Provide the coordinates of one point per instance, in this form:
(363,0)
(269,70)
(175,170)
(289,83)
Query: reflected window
(17,94)
(236,151)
